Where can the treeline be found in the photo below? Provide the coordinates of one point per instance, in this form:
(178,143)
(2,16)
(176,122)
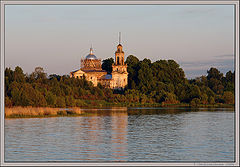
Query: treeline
(161,82)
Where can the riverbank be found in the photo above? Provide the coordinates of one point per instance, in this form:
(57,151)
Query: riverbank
(103,103)
(35,112)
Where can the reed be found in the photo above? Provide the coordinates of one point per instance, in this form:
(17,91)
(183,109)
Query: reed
(21,112)
(77,110)
(30,111)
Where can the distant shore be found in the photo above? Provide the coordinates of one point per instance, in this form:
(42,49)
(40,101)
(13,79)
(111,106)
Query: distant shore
(35,112)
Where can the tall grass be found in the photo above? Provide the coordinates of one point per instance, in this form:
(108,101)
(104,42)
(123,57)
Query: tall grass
(19,112)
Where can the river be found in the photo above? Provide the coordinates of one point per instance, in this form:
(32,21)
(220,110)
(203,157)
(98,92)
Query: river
(132,135)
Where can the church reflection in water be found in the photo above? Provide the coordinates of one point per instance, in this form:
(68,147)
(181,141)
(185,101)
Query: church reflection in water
(119,135)
(103,135)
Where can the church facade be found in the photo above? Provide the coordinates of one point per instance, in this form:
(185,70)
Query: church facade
(91,68)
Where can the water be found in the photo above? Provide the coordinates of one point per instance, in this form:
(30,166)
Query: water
(135,135)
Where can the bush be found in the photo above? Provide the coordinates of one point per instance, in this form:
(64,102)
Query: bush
(8,102)
(195,102)
(228,97)
(80,103)
(60,102)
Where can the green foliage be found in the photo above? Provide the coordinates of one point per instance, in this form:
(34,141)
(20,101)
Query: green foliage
(161,82)
(80,103)
(195,102)
(18,75)
(228,97)
(107,65)
(8,102)
(60,102)
(211,100)
(170,98)
(204,98)
(70,101)
(51,99)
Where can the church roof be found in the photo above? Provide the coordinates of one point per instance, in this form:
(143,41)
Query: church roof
(91,56)
(108,76)
(81,71)
(93,70)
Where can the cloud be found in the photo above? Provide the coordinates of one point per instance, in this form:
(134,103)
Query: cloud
(228,56)
(193,69)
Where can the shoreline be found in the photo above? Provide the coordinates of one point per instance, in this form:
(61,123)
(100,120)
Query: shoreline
(43,112)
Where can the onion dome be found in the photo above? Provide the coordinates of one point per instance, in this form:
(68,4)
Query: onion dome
(91,55)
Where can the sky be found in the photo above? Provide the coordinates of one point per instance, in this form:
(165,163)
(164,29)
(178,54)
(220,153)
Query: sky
(56,37)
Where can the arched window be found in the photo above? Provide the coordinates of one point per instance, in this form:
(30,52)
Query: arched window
(117,60)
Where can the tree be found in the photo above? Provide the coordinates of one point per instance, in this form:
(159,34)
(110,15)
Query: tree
(60,102)
(211,100)
(230,77)
(18,75)
(39,74)
(8,102)
(145,76)
(132,60)
(51,99)
(216,85)
(107,65)
(228,97)
(170,98)
(214,73)
(133,67)
(143,99)
(229,81)
(204,98)
(70,101)
(192,92)
(195,102)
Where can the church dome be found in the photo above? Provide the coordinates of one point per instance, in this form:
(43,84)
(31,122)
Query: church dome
(91,56)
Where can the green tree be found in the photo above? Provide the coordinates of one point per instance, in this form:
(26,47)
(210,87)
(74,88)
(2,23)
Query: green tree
(51,99)
(228,97)
(214,73)
(8,102)
(195,102)
(170,98)
(60,102)
(18,75)
(215,80)
(133,67)
(211,100)
(107,65)
(204,98)
(70,101)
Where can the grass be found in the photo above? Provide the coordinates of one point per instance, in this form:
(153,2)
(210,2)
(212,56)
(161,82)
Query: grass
(31,112)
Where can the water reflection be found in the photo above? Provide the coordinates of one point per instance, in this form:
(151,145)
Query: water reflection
(119,123)
(136,134)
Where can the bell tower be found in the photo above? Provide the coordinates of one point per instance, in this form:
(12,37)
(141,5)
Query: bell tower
(119,68)
(119,54)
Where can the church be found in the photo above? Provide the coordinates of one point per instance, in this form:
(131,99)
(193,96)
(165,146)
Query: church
(91,68)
